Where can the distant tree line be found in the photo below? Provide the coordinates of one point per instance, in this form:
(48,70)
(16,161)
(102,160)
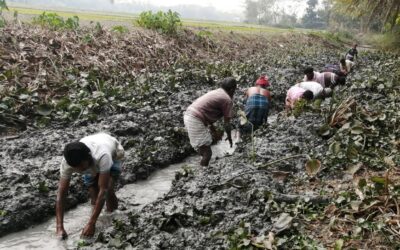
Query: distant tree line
(185,10)
(363,15)
(269,12)
(382,15)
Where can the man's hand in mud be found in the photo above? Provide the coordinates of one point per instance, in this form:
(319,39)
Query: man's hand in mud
(61,234)
(89,230)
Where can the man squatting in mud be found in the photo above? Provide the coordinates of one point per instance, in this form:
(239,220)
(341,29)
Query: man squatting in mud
(296,93)
(204,111)
(258,99)
(98,157)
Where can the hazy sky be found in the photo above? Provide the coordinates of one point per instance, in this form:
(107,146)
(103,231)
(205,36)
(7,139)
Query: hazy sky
(232,6)
(235,6)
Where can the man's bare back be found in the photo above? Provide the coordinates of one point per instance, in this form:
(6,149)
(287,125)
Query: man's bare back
(258,90)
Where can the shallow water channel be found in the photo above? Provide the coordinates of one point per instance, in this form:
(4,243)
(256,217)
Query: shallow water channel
(133,195)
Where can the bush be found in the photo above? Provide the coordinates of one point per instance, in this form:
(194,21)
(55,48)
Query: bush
(165,22)
(2,22)
(3,6)
(388,41)
(54,21)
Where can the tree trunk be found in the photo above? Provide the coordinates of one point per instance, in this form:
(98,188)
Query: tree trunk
(394,17)
(373,13)
(387,15)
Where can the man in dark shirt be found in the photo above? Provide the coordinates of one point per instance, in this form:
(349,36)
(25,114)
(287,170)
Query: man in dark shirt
(352,53)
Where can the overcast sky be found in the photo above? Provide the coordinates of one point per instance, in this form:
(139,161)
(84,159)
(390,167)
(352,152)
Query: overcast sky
(235,6)
(232,6)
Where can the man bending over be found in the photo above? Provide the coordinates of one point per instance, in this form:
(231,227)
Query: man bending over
(98,158)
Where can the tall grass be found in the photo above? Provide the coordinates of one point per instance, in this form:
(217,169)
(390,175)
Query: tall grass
(387,41)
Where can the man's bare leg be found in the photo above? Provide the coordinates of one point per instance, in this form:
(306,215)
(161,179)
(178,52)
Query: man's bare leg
(206,153)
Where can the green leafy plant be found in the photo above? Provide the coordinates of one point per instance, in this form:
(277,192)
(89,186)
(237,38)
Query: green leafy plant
(165,22)
(204,220)
(205,34)
(3,6)
(72,23)
(87,39)
(83,243)
(120,29)
(55,22)
(118,224)
(42,187)
(98,29)
(299,107)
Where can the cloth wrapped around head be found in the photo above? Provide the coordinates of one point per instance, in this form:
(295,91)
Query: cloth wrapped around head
(263,81)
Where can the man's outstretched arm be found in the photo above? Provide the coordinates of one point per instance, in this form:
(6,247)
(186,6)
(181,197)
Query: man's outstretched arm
(63,186)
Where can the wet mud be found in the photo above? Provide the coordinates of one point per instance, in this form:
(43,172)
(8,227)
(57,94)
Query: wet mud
(215,207)
(146,115)
(260,196)
(132,198)
(30,163)
(206,204)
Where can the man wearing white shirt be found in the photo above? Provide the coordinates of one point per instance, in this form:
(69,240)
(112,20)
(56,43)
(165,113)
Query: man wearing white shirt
(98,158)
(316,88)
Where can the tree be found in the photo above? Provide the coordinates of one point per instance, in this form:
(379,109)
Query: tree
(326,11)
(287,20)
(3,6)
(385,11)
(310,18)
(251,11)
(268,14)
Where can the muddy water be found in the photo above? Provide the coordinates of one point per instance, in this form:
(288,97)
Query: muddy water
(134,195)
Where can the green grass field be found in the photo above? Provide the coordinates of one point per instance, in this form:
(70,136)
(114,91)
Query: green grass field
(83,15)
(130,18)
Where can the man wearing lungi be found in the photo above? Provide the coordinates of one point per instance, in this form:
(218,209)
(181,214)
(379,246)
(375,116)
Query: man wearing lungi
(257,103)
(206,110)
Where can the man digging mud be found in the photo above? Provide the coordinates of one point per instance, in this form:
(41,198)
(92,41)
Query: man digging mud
(203,112)
(98,158)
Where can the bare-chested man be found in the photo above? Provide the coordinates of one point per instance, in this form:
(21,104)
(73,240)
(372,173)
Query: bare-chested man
(258,99)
